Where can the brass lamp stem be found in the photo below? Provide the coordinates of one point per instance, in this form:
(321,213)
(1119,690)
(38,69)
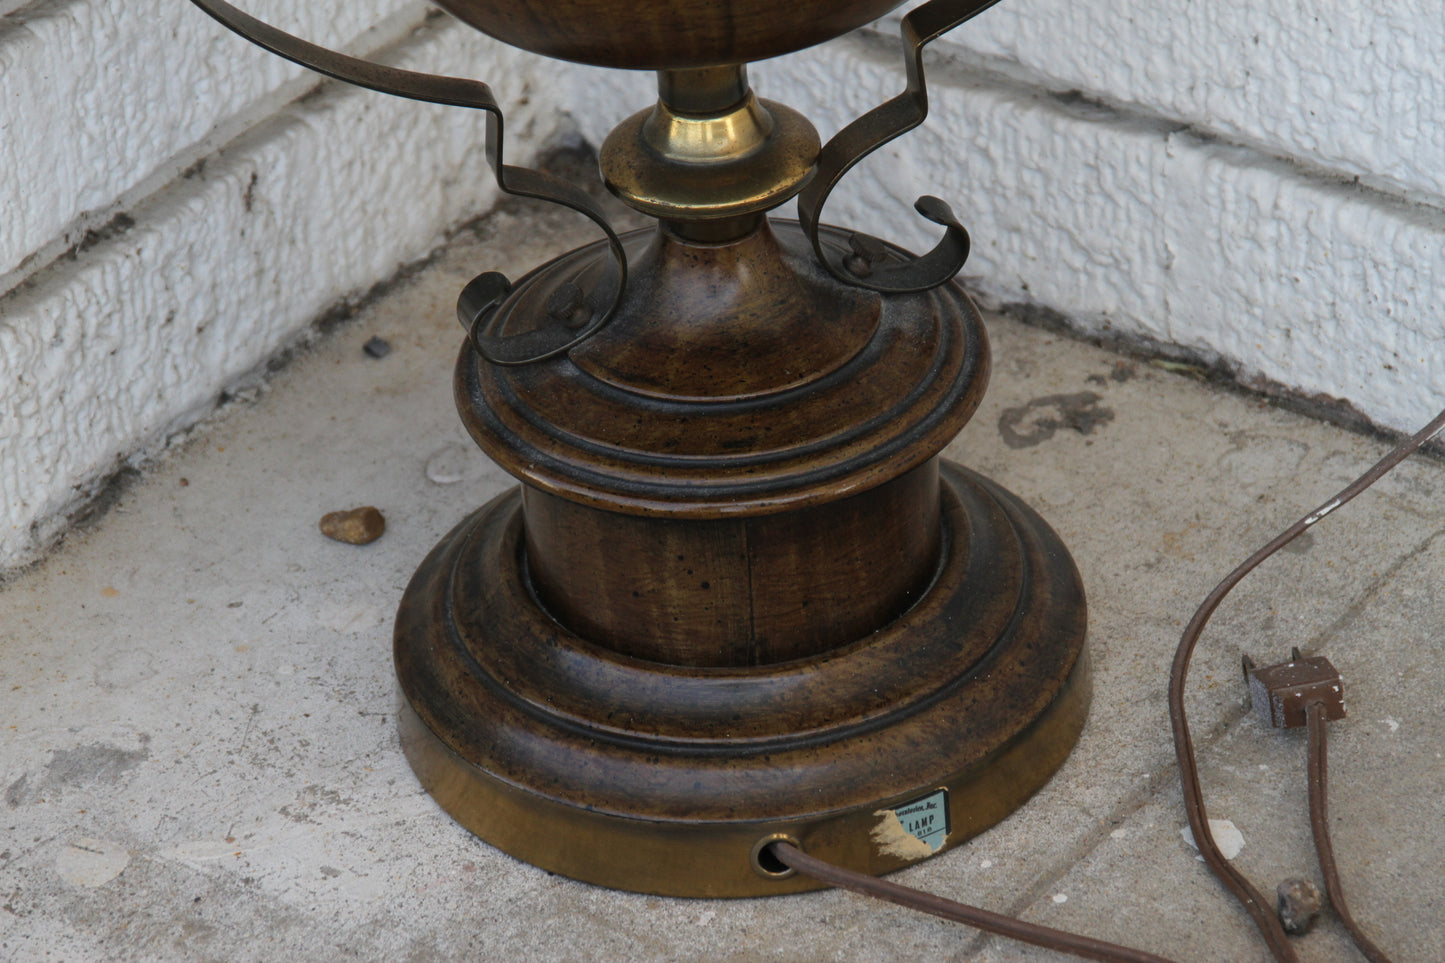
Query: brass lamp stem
(709,158)
(703,90)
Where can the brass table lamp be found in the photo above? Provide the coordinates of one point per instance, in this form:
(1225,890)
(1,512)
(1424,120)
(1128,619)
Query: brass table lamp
(738,596)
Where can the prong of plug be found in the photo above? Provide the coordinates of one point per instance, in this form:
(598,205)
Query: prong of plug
(1280,692)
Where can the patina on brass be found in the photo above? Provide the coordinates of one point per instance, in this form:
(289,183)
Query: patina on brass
(709,149)
(738,596)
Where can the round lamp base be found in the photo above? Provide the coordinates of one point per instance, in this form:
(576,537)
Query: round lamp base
(671,779)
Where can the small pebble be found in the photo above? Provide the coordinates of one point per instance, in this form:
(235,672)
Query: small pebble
(360,526)
(1299,904)
(377,348)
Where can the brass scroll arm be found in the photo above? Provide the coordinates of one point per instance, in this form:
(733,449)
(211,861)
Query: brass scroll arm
(862,137)
(485,294)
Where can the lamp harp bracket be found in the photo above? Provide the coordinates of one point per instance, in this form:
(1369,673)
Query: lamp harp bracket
(879,126)
(542,343)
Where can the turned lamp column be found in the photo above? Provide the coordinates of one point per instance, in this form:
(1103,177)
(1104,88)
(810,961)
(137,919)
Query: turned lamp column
(725,314)
(732,592)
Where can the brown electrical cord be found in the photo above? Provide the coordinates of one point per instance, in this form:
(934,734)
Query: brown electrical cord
(916,899)
(1320,827)
(1252,900)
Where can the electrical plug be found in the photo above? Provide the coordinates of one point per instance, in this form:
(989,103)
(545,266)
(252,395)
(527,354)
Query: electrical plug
(1279,693)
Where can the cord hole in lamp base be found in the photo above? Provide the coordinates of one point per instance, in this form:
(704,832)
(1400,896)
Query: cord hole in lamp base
(765,863)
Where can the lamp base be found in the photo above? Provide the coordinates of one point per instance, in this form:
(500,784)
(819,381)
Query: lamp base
(665,779)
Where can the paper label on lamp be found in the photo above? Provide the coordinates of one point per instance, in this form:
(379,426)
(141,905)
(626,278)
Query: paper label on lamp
(914,830)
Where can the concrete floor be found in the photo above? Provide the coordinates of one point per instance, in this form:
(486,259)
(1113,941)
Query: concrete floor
(200,759)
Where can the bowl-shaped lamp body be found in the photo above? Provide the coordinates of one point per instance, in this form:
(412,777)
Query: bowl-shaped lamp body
(665,34)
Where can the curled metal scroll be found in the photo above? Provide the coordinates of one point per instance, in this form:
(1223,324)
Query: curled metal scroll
(866,266)
(587,312)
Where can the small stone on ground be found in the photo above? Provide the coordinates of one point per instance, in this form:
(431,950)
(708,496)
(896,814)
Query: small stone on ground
(1299,904)
(359,526)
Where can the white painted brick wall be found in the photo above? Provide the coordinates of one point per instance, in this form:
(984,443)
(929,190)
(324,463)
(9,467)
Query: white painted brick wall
(105,352)
(100,98)
(1201,193)
(1132,223)
(1352,87)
